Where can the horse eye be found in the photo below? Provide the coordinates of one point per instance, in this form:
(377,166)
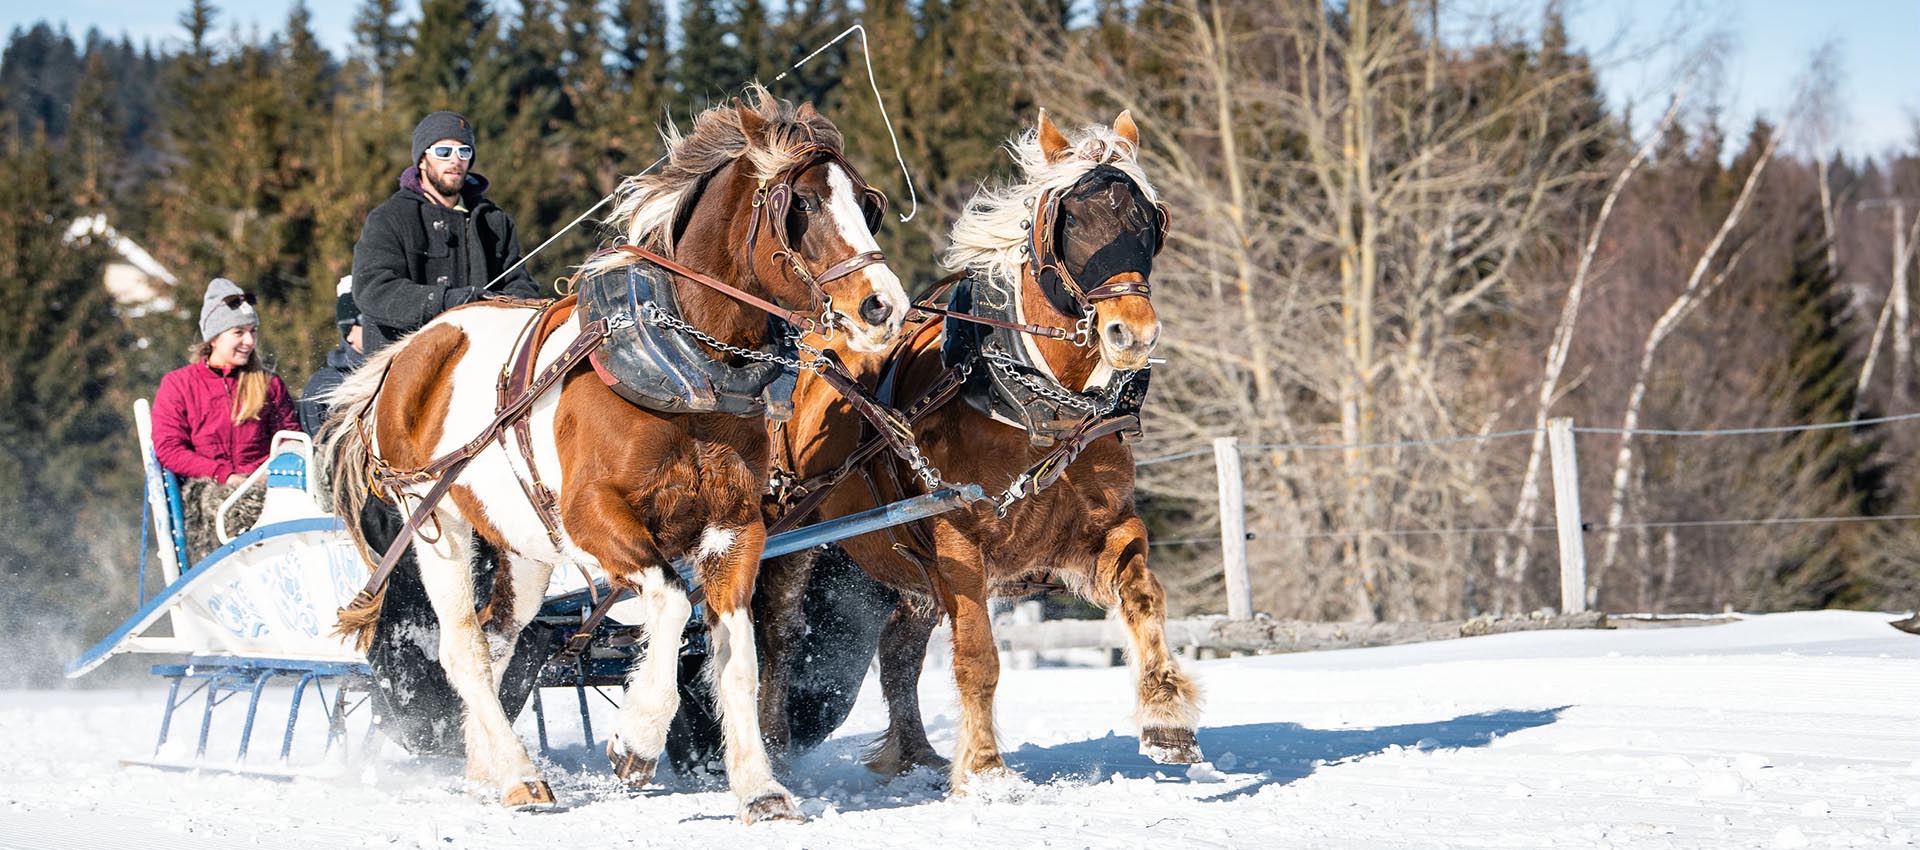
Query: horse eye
(803,203)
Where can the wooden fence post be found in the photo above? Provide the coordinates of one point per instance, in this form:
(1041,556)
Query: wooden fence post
(1566,515)
(1233,527)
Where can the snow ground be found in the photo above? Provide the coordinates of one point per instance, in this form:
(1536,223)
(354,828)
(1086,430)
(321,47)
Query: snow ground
(1784,731)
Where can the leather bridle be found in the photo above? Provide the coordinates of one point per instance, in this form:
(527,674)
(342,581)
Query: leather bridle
(772,199)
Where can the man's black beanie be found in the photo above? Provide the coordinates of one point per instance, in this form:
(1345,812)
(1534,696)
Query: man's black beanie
(437,126)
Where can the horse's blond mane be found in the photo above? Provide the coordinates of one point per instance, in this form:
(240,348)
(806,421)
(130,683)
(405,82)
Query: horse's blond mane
(648,204)
(990,236)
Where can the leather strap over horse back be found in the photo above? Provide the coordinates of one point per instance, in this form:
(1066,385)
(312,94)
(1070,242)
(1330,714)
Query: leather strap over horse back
(518,378)
(447,467)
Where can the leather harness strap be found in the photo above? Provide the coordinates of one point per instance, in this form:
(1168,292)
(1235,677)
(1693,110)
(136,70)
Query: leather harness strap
(517,377)
(447,468)
(735,293)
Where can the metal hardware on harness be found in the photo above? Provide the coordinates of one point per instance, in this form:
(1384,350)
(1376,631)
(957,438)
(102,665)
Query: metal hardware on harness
(662,319)
(1010,368)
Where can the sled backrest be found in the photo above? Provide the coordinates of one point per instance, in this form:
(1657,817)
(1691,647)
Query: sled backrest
(169,518)
(163,498)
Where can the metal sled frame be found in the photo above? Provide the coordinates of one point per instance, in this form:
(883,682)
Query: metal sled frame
(222,678)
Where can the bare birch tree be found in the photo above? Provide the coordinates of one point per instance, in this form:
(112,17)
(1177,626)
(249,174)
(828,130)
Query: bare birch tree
(1698,287)
(1516,550)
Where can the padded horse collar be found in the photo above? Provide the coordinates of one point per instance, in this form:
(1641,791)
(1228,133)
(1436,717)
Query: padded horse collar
(1016,390)
(668,372)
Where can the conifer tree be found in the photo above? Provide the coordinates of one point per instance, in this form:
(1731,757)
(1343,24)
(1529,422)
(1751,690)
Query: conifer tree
(707,67)
(69,483)
(383,40)
(1833,472)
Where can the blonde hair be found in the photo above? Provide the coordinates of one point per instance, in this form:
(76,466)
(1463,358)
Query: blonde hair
(250,388)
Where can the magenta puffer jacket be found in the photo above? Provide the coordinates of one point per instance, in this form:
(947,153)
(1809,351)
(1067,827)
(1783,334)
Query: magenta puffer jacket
(193,430)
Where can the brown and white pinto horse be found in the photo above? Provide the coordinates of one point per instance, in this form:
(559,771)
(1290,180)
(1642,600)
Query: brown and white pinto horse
(1082,531)
(635,488)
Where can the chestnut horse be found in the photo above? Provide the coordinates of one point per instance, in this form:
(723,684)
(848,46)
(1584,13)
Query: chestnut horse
(1083,530)
(635,488)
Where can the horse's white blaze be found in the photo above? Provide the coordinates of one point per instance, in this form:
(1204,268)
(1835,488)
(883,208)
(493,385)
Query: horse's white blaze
(653,691)
(735,669)
(714,542)
(843,206)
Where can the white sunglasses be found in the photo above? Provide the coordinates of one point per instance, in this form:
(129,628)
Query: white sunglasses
(451,151)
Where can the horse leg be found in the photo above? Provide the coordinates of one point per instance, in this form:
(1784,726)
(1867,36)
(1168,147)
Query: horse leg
(903,652)
(1168,700)
(729,560)
(494,754)
(524,582)
(600,521)
(779,622)
(653,692)
(976,661)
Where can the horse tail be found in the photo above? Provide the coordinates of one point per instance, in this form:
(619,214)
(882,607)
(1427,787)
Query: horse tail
(349,428)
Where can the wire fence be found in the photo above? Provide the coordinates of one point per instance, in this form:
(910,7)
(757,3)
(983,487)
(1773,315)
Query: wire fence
(1585,527)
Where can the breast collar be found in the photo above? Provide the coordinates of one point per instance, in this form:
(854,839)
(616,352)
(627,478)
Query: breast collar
(1010,382)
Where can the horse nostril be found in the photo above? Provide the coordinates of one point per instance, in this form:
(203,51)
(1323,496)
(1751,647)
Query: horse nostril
(875,311)
(1118,335)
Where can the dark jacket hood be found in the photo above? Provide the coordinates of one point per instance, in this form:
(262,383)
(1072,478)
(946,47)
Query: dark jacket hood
(476,185)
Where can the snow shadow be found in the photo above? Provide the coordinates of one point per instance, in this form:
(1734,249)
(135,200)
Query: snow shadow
(1274,753)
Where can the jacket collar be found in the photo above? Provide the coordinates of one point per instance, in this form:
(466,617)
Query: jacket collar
(344,358)
(471,193)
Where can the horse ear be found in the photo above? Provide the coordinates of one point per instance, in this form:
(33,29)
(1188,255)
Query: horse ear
(1124,126)
(1052,142)
(751,123)
(806,112)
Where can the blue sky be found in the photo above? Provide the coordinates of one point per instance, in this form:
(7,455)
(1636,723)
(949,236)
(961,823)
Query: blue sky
(1772,40)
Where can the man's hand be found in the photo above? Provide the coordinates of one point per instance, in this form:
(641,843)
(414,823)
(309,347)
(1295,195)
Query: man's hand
(235,479)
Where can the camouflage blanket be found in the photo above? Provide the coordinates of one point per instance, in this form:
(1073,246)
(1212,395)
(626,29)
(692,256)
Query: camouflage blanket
(200,500)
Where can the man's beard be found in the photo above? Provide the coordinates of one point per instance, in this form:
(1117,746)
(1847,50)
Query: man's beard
(448,184)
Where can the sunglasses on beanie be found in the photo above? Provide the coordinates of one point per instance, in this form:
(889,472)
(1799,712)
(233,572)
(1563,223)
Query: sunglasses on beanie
(233,302)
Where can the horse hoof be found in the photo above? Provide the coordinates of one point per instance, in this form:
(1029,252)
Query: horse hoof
(890,762)
(528,796)
(631,767)
(1170,746)
(772,807)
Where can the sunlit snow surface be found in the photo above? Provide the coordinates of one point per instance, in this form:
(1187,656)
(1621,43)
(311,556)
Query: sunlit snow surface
(1795,730)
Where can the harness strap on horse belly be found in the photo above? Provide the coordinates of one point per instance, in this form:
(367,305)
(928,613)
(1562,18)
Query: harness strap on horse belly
(448,467)
(518,377)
